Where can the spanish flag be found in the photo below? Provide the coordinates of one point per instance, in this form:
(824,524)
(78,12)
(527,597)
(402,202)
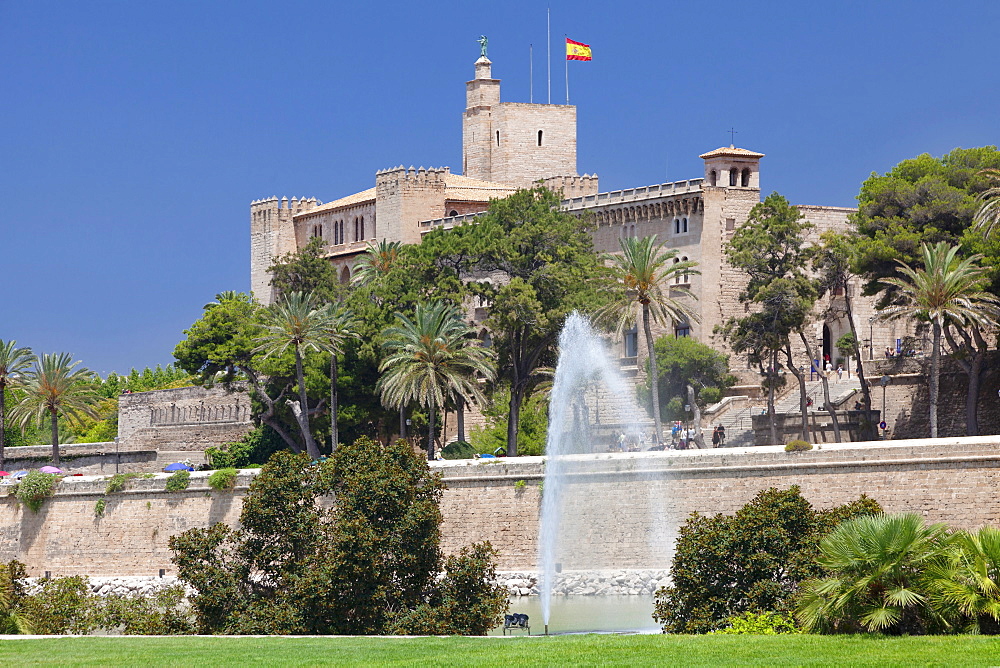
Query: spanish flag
(577,50)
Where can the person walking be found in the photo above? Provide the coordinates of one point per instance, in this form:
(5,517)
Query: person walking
(722,435)
(715,437)
(840,372)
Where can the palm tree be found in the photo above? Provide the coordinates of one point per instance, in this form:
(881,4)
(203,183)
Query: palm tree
(878,580)
(646,276)
(295,322)
(987,218)
(14,362)
(945,290)
(376,261)
(340,326)
(970,581)
(431,358)
(54,387)
(12,620)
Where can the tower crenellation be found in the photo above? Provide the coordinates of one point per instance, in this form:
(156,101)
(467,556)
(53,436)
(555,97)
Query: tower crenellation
(272,234)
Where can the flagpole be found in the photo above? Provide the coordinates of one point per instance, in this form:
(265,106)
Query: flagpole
(548,36)
(567,72)
(531,74)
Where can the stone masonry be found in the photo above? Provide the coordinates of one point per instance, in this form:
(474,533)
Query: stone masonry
(623,510)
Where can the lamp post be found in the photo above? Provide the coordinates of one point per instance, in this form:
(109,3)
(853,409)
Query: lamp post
(871,338)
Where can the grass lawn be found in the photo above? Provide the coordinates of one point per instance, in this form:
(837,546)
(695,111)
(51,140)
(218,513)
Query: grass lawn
(578,650)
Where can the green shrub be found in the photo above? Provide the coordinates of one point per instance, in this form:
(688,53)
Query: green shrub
(35,487)
(798,445)
(99,507)
(119,481)
(458,450)
(59,606)
(753,561)
(520,485)
(710,395)
(179,481)
(161,613)
(760,624)
(253,449)
(223,479)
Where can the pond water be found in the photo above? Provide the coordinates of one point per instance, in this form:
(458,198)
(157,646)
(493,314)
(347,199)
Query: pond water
(587,614)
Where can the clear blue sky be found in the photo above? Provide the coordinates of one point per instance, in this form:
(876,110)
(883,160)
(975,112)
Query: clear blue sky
(135,134)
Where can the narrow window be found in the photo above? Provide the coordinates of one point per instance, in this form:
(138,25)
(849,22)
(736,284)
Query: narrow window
(677,277)
(631,342)
(677,226)
(712,177)
(685,278)
(684,225)
(498,137)
(745,178)
(539,137)
(730,224)
(362,229)
(732,176)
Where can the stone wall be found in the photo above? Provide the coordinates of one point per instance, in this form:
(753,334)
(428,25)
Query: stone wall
(622,511)
(182,419)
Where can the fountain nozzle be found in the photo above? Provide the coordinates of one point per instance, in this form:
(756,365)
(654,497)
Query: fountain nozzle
(546,629)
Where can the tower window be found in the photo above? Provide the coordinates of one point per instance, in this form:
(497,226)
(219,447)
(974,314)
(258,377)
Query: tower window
(453,213)
(745,178)
(713,177)
(732,176)
(539,137)
(730,224)
(362,229)
(498,137)
(684,225)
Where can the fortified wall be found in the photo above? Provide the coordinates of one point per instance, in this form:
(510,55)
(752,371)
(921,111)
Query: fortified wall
(622,510)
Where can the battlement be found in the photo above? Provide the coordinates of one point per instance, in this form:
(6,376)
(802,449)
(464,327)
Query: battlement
(572,186)
(294,206)
(412,177)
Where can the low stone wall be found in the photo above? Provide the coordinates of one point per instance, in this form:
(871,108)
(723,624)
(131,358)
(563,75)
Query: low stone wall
(622,511)
(96,459)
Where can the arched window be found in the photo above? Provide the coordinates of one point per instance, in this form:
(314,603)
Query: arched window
(677,277)
(498,137)
(732,176)
(745,178)
(362,226)
(684,225)
(453,213)
(539,137)
(677,226)
(685,277)
(712,177)
(345,276)
(631,342)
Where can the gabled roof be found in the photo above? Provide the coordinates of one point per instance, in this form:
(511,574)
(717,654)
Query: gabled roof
(731,152)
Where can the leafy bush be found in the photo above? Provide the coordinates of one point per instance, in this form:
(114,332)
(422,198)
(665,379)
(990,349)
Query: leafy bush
(753,561)
(253,449)
(710,395)
(466,601)
(357,566)
(162,613)
(119,481)
(760,624)
(59,606)
(34,488)
(682,361)
(99,507)
(458,450)
(223,480)
(179,481)
(534,424)
(798,445)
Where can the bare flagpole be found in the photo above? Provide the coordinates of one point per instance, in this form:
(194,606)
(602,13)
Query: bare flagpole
(548,36)
(531,74)
(567,73)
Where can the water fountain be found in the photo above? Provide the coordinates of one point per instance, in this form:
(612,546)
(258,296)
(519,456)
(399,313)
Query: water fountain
(584,364)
